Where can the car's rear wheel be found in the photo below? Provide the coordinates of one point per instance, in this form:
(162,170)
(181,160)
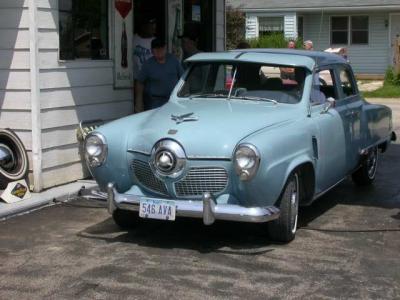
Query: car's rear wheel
(365,175)
(125,219)
(284,228)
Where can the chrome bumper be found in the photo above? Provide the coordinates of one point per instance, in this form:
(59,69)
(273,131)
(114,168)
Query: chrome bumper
(207,209)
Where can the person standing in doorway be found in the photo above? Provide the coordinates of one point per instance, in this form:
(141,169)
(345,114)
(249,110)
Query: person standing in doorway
(142,44)
(157,78)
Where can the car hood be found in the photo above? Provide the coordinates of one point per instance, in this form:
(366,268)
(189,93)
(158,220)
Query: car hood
(216,128)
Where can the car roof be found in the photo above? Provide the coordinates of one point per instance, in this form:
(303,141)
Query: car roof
(289,57)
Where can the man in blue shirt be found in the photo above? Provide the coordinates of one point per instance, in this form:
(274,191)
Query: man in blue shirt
(157,78)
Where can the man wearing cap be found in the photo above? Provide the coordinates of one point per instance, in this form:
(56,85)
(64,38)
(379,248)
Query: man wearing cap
(157,78)
(142,44)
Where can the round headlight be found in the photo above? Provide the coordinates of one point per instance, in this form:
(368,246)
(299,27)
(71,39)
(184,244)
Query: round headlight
(247,160)
(95,149)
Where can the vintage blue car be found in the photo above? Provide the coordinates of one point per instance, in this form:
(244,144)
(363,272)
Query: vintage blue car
(247,135)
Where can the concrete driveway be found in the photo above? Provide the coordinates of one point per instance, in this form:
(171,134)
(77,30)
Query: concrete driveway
(348,246)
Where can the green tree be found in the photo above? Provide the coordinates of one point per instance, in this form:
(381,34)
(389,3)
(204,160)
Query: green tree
(235,27)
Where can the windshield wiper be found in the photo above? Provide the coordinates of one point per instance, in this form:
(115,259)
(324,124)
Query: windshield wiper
(252,98)
(211,95)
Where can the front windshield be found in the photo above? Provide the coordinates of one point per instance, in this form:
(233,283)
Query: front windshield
(244,81)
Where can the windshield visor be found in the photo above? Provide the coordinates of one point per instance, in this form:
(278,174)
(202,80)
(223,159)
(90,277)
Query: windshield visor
(244,81)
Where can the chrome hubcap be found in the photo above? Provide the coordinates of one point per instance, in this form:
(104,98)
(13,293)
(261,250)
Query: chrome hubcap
(372,161)
(294,201)
(7,159)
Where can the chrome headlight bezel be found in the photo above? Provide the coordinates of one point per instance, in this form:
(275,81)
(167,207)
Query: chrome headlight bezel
(246,170)
(96,139)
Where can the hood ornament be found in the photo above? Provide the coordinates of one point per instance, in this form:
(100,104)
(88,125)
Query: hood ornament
(184,118)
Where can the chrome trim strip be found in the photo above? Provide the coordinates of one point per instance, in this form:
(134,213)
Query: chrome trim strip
(222,158)
(327,190)
(207,209)
(365,150)
(138,152)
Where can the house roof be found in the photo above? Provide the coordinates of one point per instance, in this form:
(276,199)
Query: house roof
(293,5)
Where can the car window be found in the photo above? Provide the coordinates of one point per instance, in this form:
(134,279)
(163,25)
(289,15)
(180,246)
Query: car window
(346,82)
(323,87)
(244,81)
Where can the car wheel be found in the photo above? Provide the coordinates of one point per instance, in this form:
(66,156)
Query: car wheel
(125,219)
(284,228)
(13,158)
(365,175)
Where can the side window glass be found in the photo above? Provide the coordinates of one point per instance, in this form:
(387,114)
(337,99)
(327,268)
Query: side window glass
(323,87)
(346,84)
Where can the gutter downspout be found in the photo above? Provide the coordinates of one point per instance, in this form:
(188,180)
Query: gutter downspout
(35,99)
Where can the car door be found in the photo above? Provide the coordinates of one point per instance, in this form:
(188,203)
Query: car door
(349,94)
(329,142)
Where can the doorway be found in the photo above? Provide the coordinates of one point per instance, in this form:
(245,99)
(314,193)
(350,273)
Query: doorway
(145,9)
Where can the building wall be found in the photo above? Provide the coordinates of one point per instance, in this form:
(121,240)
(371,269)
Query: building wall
(220,25)
(70,91)
(15,104)
(365,59)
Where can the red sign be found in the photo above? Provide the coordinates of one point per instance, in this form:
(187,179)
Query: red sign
(123,7)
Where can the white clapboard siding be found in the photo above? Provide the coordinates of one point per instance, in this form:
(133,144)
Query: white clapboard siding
(72,116)
(220,25)
(63,174)
(48,39)
(14,80)
(15,100)
(251,26)
(13,3)
(11,18)
(47,18)
(14,59)
(78,96)
(52,4)
(15,104)
(290,25)
(50,79)
(49,59)
(365,59)
(61,156)
(15,119)
(58,137)
(14,39)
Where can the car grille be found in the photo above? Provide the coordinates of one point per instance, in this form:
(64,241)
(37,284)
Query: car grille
(146,177)
(200,180)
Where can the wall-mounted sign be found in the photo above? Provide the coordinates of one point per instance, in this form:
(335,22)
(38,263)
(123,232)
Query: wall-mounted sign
(123,32)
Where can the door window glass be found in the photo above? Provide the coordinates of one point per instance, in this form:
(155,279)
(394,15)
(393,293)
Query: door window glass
(323,87)
(346,82)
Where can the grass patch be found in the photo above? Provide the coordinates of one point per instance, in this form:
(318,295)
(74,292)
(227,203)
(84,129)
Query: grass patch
(387,91)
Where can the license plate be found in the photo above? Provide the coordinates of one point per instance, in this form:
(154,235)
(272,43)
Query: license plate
(157,209)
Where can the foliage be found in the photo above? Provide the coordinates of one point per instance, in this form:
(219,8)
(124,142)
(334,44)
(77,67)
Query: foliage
(235,27)
(387,91)
(275,40)
(391,77)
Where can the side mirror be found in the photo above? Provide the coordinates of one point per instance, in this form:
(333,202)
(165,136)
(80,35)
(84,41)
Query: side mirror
(330,103)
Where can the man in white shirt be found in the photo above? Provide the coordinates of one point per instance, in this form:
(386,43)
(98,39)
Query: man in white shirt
(142,45)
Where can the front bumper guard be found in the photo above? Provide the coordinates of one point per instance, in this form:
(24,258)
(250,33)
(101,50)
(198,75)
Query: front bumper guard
(207,209)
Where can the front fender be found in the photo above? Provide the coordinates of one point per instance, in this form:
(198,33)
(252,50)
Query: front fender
(282,150)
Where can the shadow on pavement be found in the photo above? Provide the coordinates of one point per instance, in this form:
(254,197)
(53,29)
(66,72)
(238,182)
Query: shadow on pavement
(222,237)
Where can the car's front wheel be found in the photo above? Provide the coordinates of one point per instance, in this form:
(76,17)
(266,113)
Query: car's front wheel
(365,175)
(125,219)
(284,228)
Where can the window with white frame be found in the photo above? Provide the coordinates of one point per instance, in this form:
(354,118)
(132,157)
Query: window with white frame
(83,29)
(270,25)
(352,30)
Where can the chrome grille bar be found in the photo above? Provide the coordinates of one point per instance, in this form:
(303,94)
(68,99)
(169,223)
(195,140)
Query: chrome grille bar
(200,180)
(145,176)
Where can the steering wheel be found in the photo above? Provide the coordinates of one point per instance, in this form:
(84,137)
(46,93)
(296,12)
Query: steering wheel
(322,81)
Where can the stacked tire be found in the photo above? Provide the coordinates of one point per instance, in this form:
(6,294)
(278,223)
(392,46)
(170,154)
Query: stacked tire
(13,158)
